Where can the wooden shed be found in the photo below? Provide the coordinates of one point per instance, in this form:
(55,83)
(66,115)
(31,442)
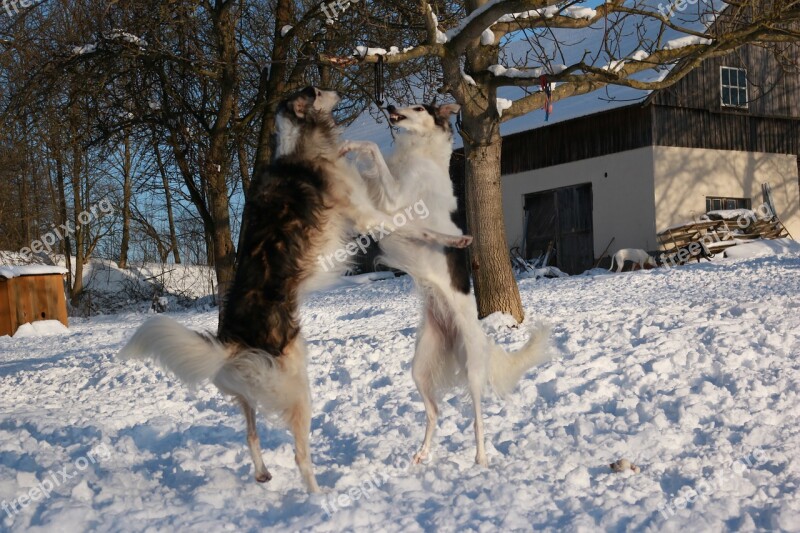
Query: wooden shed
(30,293)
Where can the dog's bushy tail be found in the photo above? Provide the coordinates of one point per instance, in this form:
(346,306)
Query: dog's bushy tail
(506,369)
(192,357)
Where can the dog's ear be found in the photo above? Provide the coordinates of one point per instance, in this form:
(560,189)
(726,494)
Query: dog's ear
(449,109)
(302,101)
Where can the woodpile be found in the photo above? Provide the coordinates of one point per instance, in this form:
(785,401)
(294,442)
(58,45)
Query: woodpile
(715,232)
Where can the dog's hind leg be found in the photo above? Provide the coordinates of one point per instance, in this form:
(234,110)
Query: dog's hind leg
(475,355)
(475,392)
(298,412)
(423,370)
(262,474)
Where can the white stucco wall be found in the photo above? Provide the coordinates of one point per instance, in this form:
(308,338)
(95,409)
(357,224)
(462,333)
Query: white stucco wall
(652,188)
(622,196)
(685,176)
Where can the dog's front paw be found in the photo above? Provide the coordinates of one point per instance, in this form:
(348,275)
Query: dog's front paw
(363,147)
(461,242)
(347,147)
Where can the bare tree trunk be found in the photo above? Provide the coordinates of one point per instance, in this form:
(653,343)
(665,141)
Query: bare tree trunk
(274,85)
(25,213)
(126,202)
(495,286)
(173,237)
(244,169)
(217,162)
(77,283)
(224,253)
(62,205)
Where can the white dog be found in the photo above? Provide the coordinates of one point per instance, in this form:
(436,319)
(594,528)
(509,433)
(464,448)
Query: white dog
(452,349)
(635,255)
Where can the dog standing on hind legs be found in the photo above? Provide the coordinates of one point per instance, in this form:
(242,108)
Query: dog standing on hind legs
(312,200)
(451,348)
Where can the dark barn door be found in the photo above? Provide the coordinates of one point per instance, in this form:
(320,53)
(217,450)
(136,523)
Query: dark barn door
(564,217)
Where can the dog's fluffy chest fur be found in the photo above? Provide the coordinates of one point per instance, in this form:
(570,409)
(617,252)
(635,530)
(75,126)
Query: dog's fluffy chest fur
(297,214)
(422,165)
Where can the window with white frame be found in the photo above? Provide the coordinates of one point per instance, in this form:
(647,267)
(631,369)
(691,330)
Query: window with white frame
(734,87)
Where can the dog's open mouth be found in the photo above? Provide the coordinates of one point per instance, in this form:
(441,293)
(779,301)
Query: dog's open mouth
(394,118)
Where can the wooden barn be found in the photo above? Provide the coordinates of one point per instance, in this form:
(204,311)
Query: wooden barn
(624,165)
(31,293)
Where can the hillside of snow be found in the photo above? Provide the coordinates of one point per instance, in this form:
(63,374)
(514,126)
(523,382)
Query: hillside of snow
(691,373)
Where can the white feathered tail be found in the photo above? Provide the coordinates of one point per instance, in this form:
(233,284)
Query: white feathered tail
(192,357)
(506,369)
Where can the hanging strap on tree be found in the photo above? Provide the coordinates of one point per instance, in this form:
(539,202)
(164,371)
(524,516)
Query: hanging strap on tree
(548,97)
(379,90)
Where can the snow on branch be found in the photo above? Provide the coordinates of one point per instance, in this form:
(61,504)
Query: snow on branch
(581,78)
(114,35)
(505,16)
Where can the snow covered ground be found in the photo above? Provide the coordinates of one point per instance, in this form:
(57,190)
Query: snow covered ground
(690,373)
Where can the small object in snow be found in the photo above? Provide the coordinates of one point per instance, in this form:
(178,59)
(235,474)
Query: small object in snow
(160,304)
(624,464)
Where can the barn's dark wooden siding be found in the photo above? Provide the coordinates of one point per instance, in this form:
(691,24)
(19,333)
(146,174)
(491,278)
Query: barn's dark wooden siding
(698,128)
(772,92)
(595,135)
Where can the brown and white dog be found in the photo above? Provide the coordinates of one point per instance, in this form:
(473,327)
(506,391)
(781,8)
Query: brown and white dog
(452,350)
(312,199)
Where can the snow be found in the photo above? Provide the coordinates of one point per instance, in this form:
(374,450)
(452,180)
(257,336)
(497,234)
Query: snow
(615,66)
(729,214)
(441,37)
(41,328)
(546,12)
(364,51)
(113,289)
(466,20)
(113,35)
(127,37)
(85,49)
(467,78)
(502,105)
(286,29)
(9,272)
(549,12)
(683,42)
(762,248)
(487,37)
(532,73)
(579,12)
(689,373)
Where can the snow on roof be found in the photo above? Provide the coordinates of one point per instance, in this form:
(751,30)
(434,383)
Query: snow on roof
(9,272)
